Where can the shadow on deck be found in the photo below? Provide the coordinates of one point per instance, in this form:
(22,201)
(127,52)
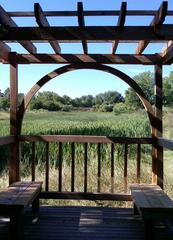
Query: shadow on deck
(84,223)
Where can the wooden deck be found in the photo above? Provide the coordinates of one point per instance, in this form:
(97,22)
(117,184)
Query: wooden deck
(83,223)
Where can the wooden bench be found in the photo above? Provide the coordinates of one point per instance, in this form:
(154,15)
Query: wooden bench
(15,199)
(152,204)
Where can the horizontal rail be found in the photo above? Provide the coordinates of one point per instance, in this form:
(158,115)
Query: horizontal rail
(162,142)
(85,196)
(84,139)
(86,13)
(7,140)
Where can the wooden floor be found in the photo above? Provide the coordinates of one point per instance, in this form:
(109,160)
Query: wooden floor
(82,223)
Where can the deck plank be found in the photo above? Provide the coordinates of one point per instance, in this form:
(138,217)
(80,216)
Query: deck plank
(82,223)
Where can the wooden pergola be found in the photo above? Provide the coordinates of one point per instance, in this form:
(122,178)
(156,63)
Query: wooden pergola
(156,32)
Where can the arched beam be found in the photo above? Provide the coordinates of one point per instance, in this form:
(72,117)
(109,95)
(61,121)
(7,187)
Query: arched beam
(68,68)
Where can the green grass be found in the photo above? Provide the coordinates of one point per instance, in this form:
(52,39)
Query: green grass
(86,123)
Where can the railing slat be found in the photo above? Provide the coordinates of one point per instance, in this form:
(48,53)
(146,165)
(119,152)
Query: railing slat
(72,167)
(99,166)
(112,168)
(60,167)
(125,166)
(85,166)
(47,167)
(33,161)
(138,158)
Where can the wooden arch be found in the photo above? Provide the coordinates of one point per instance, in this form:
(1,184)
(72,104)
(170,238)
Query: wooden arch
(95,66)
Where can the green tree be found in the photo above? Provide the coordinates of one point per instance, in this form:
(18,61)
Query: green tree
(168,89)
(47,100)
(66,100)
(76,102)
(146,82)
(7,93)
(4,103)
(87,101)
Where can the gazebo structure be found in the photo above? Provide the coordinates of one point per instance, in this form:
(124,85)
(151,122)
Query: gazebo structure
(156,32)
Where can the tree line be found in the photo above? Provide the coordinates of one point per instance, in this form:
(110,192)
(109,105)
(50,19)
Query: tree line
(106,102)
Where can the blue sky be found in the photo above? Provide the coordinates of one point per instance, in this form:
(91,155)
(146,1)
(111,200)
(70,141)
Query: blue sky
(80,82)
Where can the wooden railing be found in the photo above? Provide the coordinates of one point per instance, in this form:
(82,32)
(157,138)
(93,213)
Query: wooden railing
(165,143)
(99,141)
(6,140)
(86,141)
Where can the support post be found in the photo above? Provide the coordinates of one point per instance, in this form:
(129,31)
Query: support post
(157,151)
(14,161)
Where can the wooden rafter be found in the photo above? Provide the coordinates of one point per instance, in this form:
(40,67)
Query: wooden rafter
(157,21)
(88,33)
(147,59)
(7,21)
(87,13)
(167,54)
(4,51)
(43,22)
(121,21)
(81,22)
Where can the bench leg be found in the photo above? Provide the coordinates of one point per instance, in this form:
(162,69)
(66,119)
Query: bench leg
(15,227)
(36,206)
(135,210)
(148,230)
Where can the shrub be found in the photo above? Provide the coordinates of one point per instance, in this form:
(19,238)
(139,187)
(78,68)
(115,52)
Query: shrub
(66,108)
(106,108)
(120,108)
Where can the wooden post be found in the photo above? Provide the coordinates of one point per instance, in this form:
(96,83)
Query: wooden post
(157,152)
(14,162)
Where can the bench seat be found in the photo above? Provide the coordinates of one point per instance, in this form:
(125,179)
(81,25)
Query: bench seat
(15,199)
(152,203)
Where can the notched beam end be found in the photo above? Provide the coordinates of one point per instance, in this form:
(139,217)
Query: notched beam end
(158,19)
(81,22)
(4,52)
(43,22)
(39,16)
(121,22)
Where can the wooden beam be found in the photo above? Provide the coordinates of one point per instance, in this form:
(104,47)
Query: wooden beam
(43,22)
(167,54)
(81,22)
(147,59)
(121,22)
(85,196)
(6,140)
(87,13)
(14,162)
(4,52)
(13,93)
(6,21)
(157,151)
(157,21)
(166,143)
(88,33)
(84,139)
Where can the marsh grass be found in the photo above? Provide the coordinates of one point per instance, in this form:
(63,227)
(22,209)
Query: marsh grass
(131,125)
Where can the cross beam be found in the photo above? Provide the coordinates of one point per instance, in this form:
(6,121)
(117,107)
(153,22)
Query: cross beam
(87,33)
(145,59)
